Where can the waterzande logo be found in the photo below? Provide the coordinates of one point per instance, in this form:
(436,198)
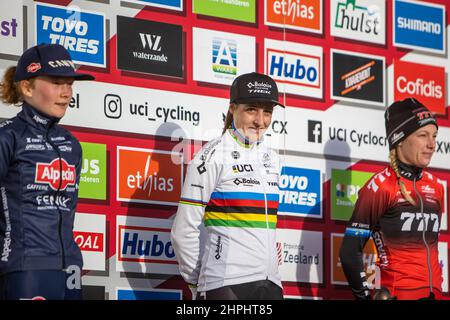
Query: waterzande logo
(358,78)
(305,15)
(149,176)
(362,20)
(314,131)
(82,33)
(419,25)
(298,68)
(224,56)
(300,192)
(58,174)
(424,82)
(149,47)
(11,27)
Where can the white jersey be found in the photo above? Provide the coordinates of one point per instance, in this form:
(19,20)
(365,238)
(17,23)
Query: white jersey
(224,230)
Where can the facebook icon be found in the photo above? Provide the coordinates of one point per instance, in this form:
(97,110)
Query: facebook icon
(314,131)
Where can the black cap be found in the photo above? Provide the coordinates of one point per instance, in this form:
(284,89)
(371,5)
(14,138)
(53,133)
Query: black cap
(47,60)
(403,118)
(254,87)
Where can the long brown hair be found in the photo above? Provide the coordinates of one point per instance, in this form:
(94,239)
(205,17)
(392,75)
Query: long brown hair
(394,165)
(10,91)
(229,118)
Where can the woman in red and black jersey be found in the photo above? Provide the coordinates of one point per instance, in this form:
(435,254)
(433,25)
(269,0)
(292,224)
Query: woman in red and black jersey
(400,207)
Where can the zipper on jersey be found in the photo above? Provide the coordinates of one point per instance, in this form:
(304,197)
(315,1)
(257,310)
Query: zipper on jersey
(61,243)
(425,228)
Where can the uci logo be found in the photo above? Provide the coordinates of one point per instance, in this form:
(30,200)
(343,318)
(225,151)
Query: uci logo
(242,168)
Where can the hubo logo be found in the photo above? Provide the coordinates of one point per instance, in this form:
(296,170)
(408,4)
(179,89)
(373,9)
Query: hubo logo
(82,33)
(297,67)
(315,131)
(362,20)
(300,192)
(294,14)
(149,47)
(419,25)
(424,82)
(224,56)
(149,176)
(150,41)
(345,185)
(358,78)
(58,174)
(144,245)
(93,171)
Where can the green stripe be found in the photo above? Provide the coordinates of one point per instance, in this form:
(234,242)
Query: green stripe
(239,224)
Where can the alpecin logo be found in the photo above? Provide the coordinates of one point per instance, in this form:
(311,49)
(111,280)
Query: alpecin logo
(58,178)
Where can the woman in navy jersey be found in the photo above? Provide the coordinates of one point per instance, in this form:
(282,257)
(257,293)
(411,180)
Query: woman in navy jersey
(400,208)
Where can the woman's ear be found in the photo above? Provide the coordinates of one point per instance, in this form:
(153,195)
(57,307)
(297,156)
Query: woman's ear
(26,88)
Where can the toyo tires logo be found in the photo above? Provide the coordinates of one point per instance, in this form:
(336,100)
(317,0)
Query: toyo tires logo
(54,176)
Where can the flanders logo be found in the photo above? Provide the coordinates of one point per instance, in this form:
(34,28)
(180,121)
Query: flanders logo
(50,173)
(149,176)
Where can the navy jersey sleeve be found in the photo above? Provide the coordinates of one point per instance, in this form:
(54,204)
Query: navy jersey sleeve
(6,148)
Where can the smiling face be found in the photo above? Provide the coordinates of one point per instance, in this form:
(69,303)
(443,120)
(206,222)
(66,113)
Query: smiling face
(418,148)
(252,120)
(49,95)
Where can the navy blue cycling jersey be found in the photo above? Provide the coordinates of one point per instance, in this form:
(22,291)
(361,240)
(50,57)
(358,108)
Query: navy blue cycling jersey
(40,165)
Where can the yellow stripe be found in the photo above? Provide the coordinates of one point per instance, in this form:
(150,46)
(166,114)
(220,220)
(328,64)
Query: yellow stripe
(192,203)
(239,216)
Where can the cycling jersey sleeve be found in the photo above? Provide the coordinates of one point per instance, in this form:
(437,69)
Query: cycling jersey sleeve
(187,229)
(6,152)
(370,206)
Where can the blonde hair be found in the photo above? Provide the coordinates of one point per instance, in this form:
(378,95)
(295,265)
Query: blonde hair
(10,91)
(394,165)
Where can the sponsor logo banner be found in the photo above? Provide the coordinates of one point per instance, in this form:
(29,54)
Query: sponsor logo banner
(82,33)
(149,47)
(300,192)
(148,294)
(144,246)
(149,176)
(300,255)
(358,78)
(419,25)
(297,68)
(11,27)
(221,56)
(241,10)
(291,14)
(443,261)
(93,172)
(57,174)
(89,232)
(166,4)
(369,259)
(363,20)
(345,185)
(424,82)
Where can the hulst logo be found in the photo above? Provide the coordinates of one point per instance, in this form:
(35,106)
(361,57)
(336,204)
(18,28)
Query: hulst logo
(50,173)
(224,56)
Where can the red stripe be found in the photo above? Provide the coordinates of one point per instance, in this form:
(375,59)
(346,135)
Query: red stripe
(242,203)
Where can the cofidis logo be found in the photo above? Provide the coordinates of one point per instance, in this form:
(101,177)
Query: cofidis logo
(82,33)
(149,176)
(305,15)
(166,4)
(297,68)
(424,82)
(144,245)
(300,192)
(419,25)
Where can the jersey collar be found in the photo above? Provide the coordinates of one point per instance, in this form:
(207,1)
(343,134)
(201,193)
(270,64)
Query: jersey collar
(409,172)
(36,118)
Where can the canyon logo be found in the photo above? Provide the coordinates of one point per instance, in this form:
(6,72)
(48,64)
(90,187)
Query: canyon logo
(149,176)
(305,15)
(424,82)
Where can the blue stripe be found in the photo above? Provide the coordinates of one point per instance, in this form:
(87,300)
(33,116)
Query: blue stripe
(244,196)
(354,232)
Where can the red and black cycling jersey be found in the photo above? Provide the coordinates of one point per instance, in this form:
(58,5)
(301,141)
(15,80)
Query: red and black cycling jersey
(405,235)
